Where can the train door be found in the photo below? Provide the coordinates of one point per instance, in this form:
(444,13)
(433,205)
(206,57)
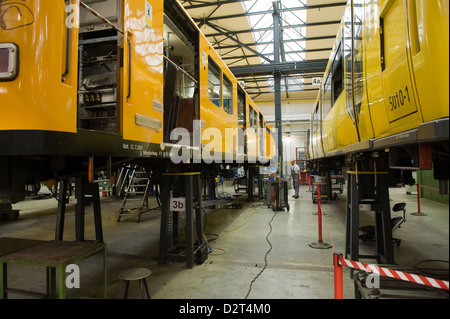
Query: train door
(242,122)
(181,63)
(252,142)
(362,110)
(428,23)
(38,78)
(99,67)
(262,138)
(352,130)
(400,98)
(316,133)
(142,71)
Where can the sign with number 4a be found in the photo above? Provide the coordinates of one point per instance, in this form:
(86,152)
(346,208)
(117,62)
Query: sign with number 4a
(178,204)
(316,81)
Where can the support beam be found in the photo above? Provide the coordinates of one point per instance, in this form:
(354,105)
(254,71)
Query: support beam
(238,15)
(237,41)
(277,83)
(310,66)
(291,26)
(201,4)
(328,37)
(226,57)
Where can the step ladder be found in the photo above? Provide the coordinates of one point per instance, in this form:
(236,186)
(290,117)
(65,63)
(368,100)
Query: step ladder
(135,201)
(120,185)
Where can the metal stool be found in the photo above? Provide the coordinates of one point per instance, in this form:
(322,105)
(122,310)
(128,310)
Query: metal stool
(135,274)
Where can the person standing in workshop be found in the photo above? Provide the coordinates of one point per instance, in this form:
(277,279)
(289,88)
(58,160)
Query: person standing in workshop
(295,178)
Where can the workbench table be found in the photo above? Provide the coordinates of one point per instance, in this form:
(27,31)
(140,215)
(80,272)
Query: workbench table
(55,255)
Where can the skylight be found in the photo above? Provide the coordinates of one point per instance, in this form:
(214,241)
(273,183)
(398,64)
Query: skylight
(292,48)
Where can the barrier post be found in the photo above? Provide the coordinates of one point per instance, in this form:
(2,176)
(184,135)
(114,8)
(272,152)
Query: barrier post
(338,277)
(319,212)
(418,213)
(320,244)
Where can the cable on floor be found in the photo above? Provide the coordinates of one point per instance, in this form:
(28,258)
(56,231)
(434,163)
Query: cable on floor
(265,257)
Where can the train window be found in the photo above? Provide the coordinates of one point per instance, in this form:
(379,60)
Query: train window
(252,115)
(214,83)
(227,95)
(358,56)
(315,121)
(338,76)
(262,135)
(347,41)
(255,120)
(327,101)
(241,108)
(9,62)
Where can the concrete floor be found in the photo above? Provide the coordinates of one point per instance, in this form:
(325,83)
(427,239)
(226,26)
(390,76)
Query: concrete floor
(256,253)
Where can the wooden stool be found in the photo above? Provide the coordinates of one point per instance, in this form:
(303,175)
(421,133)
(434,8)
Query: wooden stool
(135,274)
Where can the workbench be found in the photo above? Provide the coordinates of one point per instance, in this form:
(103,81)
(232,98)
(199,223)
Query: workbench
(55,255)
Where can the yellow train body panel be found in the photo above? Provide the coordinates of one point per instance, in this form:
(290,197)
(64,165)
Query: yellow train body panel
(38,99)
(110,80)
(42,100)
(338,129)
(143,97)
(409,88)
(213,116)
(430,58)
(398,81)
(53,93)
(270,143)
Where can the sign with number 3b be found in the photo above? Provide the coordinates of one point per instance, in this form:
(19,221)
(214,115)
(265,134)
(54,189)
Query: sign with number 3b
(178,204)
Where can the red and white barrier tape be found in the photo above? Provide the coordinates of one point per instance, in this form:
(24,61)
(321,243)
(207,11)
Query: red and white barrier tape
(428,187)
(422,280)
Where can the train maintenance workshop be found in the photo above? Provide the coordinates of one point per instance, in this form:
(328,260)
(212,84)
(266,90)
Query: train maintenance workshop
(224,150)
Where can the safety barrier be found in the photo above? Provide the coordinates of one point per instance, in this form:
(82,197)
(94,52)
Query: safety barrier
(339,262)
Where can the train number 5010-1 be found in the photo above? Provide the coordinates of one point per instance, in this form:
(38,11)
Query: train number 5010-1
(399,98)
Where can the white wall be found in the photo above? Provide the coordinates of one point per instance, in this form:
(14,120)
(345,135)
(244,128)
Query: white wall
(290,144)
(296,117)
(298,110)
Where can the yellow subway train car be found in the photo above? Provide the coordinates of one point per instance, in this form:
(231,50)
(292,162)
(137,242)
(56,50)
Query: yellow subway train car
(110,80)
(385,89)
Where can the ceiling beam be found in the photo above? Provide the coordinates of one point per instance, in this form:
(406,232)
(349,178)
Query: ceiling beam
(203,4)
(238,15)
(329,37)
(237,41)
(225,57)
(301,25)
(306,87)
(253,79)
(309,66)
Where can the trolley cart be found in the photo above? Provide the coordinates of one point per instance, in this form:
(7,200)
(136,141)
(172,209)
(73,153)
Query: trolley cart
(319,180)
